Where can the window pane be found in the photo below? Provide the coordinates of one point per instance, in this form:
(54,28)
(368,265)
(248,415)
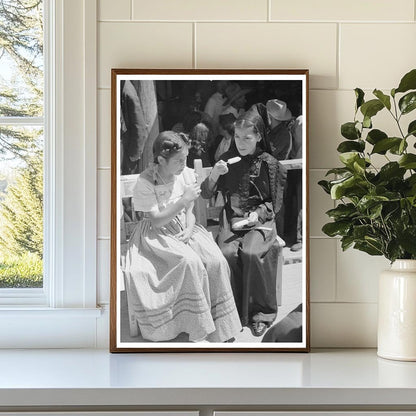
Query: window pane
(21,58)
(21,207)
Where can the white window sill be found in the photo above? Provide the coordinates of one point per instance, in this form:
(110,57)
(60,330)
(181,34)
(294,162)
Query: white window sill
(37,327)
(331,379)
(35,312)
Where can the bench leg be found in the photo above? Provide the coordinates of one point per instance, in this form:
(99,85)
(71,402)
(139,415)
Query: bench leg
(134,330)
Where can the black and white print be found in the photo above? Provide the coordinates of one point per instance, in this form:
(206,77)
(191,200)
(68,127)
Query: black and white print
(211,214)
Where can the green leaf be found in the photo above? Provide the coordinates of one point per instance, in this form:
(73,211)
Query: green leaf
(369,201)
(342,211)
(398,149)
(383,145)
(411,180)
(336,228)
(411,130)
(371,108)
(346,242)
(391,170)
(375,136)
(408,161)
(349,146)
(349,131)
(325,186)
(359,165)
(368,248)
(367,122)
(338,189)
(393,92)
(407,239)
(348,187)
(338,171)
(385,99)
(408,102)
(375,212)
(402,147)
(393,250)
(348,158)
(408,82)
(359,95)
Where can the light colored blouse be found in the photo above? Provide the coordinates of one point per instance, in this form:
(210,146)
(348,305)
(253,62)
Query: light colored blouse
(147,195)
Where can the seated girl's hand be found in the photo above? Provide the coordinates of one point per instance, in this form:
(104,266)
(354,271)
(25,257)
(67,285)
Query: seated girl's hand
(253,218)
(220,168)
(191,192)
(185,235)
(238,223)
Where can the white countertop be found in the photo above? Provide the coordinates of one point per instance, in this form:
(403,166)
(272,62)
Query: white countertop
(96,377)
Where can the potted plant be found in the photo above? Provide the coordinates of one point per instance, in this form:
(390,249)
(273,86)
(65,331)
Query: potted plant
(376,207)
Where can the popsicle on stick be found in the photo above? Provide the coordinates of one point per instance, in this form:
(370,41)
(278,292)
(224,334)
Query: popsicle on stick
(233,160)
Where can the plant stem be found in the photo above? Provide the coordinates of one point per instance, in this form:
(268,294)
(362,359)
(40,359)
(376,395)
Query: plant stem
(397,118)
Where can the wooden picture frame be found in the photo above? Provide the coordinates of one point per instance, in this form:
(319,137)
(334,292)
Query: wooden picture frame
(255,299)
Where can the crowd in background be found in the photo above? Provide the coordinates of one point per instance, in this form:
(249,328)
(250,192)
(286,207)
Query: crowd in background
(209,123)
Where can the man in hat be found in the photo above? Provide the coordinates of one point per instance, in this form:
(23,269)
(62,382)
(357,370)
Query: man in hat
(285,139)
(236,100)
(215,104)
(280,136)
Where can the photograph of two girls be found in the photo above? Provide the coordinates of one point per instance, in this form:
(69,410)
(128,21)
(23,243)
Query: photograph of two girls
(211,212)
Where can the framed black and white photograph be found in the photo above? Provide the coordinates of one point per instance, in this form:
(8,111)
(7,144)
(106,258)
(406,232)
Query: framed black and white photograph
(209,211)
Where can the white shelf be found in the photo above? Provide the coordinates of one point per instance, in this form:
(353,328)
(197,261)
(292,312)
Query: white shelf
(59,378)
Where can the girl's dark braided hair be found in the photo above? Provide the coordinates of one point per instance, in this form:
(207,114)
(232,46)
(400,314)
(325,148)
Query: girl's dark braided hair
(168,143)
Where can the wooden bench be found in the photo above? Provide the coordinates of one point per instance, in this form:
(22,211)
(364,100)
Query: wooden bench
(128,220)
(204,210)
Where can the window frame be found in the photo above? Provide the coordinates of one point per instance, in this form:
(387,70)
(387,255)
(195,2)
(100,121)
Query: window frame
(70,170)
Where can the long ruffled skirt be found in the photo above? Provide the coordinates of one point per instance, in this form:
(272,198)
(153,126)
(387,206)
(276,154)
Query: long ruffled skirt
(177,287)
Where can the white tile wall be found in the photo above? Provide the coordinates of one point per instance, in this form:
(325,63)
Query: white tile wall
(376,55)
(319,203)
(345,44)
(328,109)
(142,45)
(369,10)
(104,128)
(344,325)
(103,270)
(114,10)
(200,10)
(271,45)
(357,275)
(323,269)
(104,202)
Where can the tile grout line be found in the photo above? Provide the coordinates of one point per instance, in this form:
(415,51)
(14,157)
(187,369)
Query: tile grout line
(338,63)
(269,10)
(344,302)
(194,62)
(131,9)
(336,272)
(336,246)
(306,22)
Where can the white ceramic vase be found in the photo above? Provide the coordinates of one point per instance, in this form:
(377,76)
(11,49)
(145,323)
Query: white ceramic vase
(397,312)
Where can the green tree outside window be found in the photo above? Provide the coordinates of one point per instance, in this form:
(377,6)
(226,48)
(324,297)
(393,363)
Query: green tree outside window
(21,143)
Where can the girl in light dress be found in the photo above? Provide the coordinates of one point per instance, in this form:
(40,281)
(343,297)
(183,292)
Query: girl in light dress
(180,280)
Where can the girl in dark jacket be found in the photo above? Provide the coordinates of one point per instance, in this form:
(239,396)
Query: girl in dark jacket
(252,189)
